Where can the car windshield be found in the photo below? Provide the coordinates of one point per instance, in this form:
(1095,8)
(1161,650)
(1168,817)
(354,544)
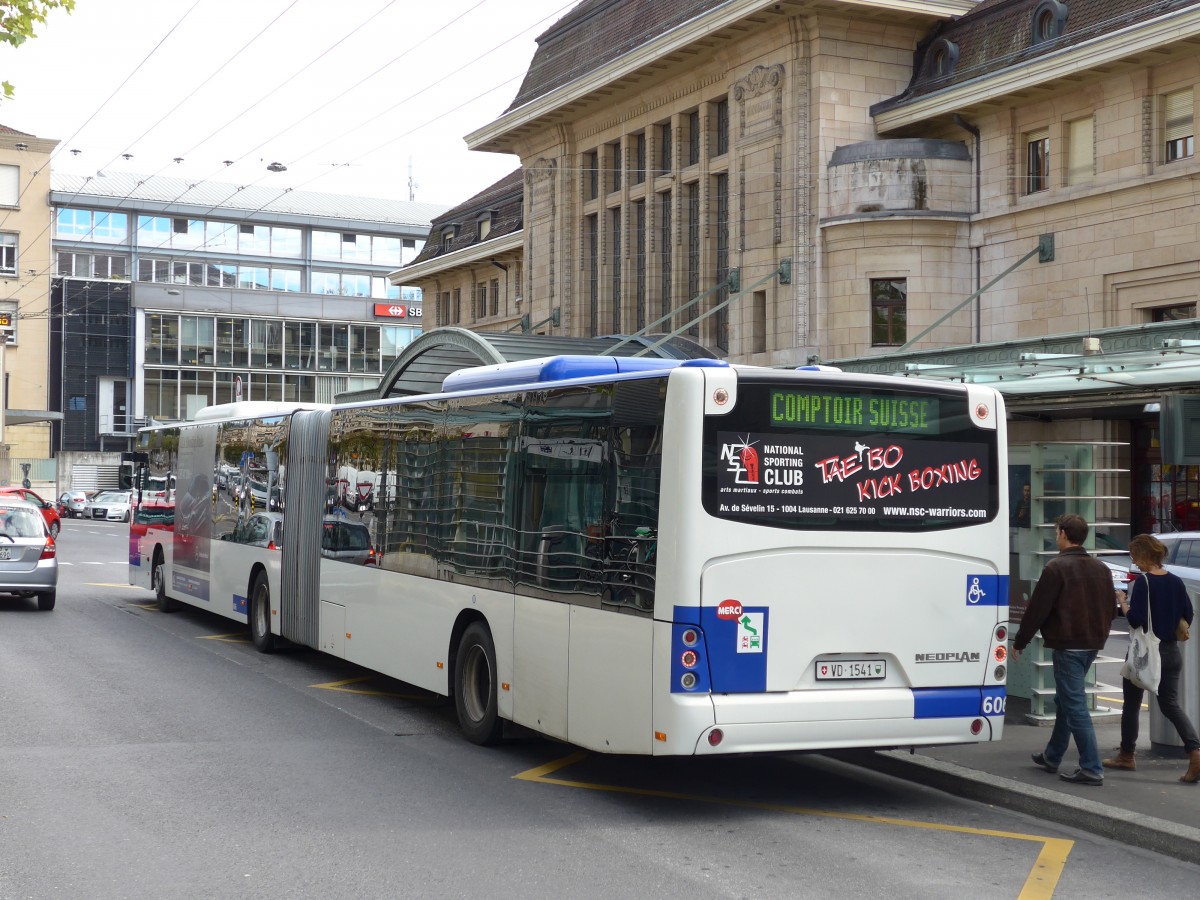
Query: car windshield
(20,522)
(110,497)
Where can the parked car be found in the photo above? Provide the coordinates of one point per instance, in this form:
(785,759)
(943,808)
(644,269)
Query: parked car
(49,510)
(71,504)
(28,555)
(110,506)
(347,541)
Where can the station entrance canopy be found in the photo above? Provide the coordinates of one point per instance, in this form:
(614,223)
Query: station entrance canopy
(1068,372)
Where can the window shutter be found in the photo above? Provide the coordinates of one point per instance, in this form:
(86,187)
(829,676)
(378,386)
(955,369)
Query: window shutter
(1079,151)
(1178,115)
(10,185)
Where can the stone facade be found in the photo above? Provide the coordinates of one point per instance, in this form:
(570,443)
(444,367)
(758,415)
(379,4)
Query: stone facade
(671,169)
(786,136)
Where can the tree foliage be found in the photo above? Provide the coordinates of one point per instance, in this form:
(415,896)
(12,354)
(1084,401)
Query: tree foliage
(19,18)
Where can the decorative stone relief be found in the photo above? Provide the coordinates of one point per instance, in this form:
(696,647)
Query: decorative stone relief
(759,97)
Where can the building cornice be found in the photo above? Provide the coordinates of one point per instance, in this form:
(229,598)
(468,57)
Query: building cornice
(467,256)
(1142,37)
(492,137)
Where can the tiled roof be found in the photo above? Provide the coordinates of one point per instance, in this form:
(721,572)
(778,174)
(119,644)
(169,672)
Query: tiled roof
(4,129)
(597,32)
(998,35)
(505,200)
(255,198)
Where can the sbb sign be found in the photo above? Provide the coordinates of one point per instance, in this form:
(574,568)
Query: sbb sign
(397,311)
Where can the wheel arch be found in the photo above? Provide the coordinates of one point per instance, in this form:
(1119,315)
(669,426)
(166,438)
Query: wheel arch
(465,618)
(255,570)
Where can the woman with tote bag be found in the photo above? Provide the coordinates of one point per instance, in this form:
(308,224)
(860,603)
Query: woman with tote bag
(1161,598)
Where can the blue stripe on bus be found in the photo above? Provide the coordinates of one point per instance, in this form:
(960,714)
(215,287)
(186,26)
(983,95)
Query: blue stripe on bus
(986,590)
(241,604)
(955,703)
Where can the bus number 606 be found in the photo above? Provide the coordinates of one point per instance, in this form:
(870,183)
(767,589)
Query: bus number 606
(993,706)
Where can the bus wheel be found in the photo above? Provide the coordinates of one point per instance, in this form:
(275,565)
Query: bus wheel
(158,579)
(475,686)
(260,616)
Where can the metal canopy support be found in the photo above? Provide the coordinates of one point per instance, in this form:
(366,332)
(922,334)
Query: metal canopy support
(1039,251)
(732,282)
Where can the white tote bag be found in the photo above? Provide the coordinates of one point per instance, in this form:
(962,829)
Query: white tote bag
(1143,666)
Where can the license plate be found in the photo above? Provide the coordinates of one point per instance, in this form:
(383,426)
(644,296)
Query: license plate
(5,553)
(851,669)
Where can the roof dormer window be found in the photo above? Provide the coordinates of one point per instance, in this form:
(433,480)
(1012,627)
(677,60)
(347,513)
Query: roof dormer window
(943,58)
(1049,21)
(448,238)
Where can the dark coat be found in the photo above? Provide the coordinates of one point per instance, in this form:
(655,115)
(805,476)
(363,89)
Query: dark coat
(1073,604)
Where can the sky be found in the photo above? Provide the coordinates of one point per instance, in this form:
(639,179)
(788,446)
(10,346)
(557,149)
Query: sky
(364,97)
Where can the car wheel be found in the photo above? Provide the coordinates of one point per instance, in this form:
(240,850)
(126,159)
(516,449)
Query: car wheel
(260,616)
(126,518)
(46,600)
(158,581)
(475,686)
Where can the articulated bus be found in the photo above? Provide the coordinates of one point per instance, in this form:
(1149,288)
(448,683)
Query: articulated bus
(631,555)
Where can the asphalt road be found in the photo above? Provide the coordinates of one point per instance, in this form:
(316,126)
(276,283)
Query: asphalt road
(145,755)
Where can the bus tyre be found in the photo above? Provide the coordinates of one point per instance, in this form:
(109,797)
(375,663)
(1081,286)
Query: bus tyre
(260,616)
(46,600)
(475,686)
(158,579)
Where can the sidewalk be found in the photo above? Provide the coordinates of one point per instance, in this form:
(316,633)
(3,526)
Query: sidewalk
(1149,808)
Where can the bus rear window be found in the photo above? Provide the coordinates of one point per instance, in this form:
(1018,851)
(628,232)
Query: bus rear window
(797,456)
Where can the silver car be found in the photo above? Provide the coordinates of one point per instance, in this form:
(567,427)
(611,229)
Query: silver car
(28,555)
(111,506)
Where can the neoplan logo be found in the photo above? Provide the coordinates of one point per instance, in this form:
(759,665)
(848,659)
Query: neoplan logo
(951,656)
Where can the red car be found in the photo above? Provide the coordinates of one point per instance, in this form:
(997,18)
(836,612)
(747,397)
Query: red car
(49,510)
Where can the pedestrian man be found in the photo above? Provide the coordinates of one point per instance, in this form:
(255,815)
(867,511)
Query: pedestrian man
(1072,605)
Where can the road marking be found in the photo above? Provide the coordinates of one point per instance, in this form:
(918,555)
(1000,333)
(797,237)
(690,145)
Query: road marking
(237,637)
(341,686)
(1043,878)
(1118,700)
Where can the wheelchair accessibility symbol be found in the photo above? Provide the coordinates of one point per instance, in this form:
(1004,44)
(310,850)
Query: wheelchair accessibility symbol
(975,594)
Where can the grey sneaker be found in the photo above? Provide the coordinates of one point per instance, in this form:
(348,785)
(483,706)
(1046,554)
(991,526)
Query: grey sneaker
(1039,760)
(1081,777)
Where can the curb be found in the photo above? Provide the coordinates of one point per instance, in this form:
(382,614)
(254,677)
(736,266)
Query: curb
(1180,842)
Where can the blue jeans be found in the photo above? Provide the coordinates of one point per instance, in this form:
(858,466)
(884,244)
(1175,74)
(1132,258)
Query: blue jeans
(1071,717)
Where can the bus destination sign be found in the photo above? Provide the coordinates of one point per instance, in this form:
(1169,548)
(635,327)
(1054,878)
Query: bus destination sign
(858,411)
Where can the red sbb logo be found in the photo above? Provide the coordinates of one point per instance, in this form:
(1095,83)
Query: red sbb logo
(730,609)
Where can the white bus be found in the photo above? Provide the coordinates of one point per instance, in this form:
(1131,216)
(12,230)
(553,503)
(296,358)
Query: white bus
(635,556)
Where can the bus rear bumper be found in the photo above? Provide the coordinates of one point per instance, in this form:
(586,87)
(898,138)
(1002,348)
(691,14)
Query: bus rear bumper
(826,720)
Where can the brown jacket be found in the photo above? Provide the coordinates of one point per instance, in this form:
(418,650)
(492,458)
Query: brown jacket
(1072,605)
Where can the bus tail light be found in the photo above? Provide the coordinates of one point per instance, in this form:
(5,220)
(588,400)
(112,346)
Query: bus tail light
(1000,673)
(715,737)
(689,659)
(976,726)
(1002,632)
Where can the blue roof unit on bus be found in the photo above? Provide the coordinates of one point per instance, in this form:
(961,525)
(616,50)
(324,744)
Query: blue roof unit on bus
(549,369)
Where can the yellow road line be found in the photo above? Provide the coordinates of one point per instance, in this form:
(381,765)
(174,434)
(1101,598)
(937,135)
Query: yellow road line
(123,584)
(237,637)
(1043,878)
(341,686)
